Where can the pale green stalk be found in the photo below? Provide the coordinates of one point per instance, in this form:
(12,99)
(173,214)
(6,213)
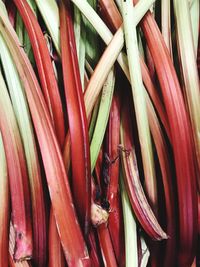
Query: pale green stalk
(50,13)
(92,43)
(140,9)
(130,229)
(140,45)
(138,92)
(27,43)
(101,71)
(104,32)
(20,105)
(50,48)
(189,68)
(105,64)
(107,60)
(194,14)
(19,28)
(77,27)
(118,2)
(102,119)
(95,108)
(80,37)
(22,33)
(33,6)
(94,118)
(145,253)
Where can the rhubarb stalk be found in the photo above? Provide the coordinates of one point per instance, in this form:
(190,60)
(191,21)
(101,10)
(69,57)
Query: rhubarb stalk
(72,241)
(4,207)
(79,138)
(181,138)
(18,179)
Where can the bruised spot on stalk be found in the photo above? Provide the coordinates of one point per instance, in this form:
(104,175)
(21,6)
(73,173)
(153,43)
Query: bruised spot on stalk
(24,253)
(124,150)
(98,215)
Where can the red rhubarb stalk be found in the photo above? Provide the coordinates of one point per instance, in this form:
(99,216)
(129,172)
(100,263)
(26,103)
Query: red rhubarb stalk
(110,14)
(56,256)
(181,140)
(132,182)
(113,17)
(94,253)
(70,234)
(163,157)
(45,68)
(99,217)
(18,178)
(115,221)
(4,207)
(80,151)
(106,246)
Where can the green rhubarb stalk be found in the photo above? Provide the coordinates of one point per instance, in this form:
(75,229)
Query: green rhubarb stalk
(140,46)
(102,119)
(140,9)
(22,33)
(22,114)
(33,5)
(113,52)
(130,228)
(48,40)
(49,11)
(4,207)
(145,253)
(92,44)
(27,43)
(80,37)
(189,69)
(138,93)
(118,2)
(101,72)
(50,14)
(194,14)
(115,19)
(94,117)
(19,28)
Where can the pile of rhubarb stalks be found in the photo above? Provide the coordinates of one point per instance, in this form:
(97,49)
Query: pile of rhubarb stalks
(99,133)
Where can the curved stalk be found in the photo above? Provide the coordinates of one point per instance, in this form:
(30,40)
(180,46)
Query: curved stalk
(22,114)
(45,68)
(4,207)
(132,182)
(72,241)
(138,94)
(181,139)
(18,178)
(80,151)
